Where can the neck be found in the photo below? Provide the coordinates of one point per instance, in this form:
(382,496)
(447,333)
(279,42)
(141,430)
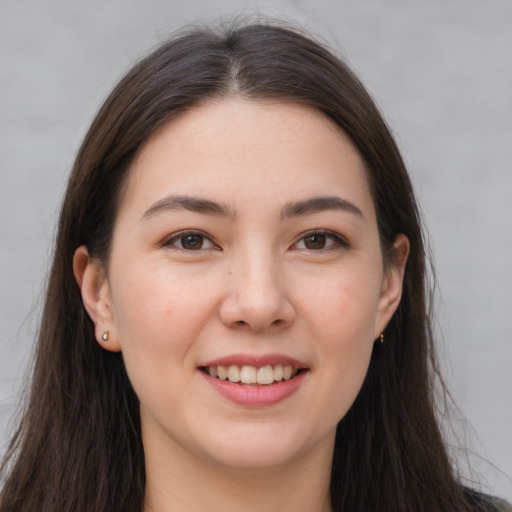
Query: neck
(179,481)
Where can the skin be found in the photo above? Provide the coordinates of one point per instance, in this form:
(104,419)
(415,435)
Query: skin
(260,283)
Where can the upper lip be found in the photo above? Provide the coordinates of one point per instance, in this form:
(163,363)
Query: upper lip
(256,360)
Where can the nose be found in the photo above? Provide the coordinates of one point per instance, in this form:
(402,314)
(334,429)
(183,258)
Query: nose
(256,296)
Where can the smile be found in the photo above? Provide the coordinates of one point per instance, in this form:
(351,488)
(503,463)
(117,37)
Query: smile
(246,374)
(254,386)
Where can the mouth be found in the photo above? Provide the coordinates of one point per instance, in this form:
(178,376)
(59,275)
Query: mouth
(255,381)
(253,375)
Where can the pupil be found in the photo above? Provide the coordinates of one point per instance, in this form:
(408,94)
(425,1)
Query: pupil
(315,242)
(192,242)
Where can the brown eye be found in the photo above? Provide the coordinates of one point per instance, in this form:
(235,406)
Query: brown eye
(320,241)
(192,242)
(316,241)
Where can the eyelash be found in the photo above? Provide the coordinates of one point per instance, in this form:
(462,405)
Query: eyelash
(177,237)
(335,241)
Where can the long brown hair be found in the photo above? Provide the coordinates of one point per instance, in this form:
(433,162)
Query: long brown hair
(78,446)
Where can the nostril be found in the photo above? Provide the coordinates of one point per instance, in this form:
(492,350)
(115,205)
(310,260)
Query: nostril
(256,307)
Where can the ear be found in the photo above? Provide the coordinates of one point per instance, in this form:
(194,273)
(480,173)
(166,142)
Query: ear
(391,292)
(92,280)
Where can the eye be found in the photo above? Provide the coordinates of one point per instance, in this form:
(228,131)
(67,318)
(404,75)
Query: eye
(319,240)
(190,241)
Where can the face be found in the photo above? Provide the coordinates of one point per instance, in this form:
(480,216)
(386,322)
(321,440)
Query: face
(245,286)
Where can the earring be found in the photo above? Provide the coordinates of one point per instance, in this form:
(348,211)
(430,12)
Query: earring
(105,335)
(382,338)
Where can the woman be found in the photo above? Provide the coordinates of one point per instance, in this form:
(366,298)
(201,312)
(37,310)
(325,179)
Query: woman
(237,313)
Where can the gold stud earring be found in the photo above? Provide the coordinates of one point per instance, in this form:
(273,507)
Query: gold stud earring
(382,338)
(105,336)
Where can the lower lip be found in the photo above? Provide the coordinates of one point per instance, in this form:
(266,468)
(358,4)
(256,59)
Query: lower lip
(256,396)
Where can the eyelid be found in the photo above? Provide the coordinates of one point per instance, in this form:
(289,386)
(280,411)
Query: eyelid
(339,240)
(170,240)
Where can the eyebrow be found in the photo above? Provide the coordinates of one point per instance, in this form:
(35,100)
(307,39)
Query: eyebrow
(292,209)
(319,204)
(190,203)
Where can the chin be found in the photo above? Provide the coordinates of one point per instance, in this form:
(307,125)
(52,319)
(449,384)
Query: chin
(266,448)
(255,458)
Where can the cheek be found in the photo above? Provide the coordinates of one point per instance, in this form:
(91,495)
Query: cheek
(158,318)
(342,310)
(341,321)
(156,304)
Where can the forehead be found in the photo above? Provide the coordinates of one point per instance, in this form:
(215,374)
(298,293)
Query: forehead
(240,150)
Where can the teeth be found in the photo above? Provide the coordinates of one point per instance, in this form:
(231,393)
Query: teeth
(233,373)
(262,375)
(265,375)
(248,375)
(222,371)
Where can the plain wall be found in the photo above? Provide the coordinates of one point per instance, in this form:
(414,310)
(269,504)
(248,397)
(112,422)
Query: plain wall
(441,72)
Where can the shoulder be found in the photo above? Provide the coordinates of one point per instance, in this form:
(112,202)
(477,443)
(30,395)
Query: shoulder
(485,503)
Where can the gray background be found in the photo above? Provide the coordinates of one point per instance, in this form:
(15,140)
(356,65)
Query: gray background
(442,72)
